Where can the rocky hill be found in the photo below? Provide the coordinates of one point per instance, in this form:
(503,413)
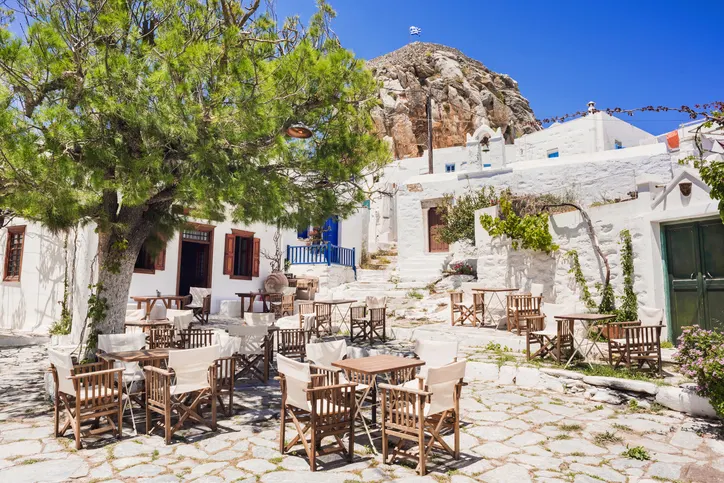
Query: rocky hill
(465,94)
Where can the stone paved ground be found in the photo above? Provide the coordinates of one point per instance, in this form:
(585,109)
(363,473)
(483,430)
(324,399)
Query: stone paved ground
(510,434)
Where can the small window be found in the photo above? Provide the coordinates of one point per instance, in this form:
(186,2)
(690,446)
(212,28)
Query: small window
(14,253)
(450,168)
(553,153)
(148,262)
(617,144)
(241,255)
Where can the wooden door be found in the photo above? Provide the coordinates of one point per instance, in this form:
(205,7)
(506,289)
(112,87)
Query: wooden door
(695,265)
(434,223)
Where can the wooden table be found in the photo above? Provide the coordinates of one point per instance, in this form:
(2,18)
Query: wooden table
(147,325)
(141,356)
(494,293)
(586,320)
(376,365)
(265,297)
(335,308)
(150,301)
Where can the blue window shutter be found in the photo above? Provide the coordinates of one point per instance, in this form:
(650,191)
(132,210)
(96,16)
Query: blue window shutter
(303,233)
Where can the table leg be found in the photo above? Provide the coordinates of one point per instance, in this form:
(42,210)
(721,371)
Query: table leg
(242,306)
(252,299)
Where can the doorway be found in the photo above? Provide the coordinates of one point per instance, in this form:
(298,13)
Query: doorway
(195,257)
(695,274)
(434,224)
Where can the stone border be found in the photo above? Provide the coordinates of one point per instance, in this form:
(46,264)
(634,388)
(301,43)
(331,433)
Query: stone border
(611,390)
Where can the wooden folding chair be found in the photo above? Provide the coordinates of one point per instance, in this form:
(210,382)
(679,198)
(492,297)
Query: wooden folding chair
(292,342)
(639,345)
(554,337)
(520,306)
(194,338)
(254,352)
(460,311)
(161,338)
(316,411)
(86,392)
(358,323)
(180,390)
(225,371)
(323,318)
(408,416)
(377,324)
(283,303)
(200,303)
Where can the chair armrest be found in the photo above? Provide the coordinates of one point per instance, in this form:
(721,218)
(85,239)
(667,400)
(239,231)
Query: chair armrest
(86,375)
(624,324)
(158,370)
(351,386)
(92,367)
(409,390)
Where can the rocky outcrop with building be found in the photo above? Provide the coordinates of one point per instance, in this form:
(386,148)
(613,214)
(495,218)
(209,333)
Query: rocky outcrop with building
(465,95)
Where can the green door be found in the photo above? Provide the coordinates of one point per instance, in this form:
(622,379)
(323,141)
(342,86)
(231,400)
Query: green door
(695,264)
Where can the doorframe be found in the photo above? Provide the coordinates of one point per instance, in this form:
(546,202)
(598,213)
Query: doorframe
(199,227)
(664,264)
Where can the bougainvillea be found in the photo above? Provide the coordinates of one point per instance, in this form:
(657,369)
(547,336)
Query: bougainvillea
(701,355)
(462,268)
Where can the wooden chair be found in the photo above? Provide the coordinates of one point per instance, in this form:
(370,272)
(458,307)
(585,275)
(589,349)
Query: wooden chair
(199,300)
(225,372)
(162,338)
(554,336)
(316,411)
(460,311)
(292,342)
(637,343)
(435,353)
(358,322)
(195,338)
(520,306)
(180,319)
(306,314)
(254,351)
(133,378)
(420,416)
(86,392)
(323,319)
(283,303)
(180,390)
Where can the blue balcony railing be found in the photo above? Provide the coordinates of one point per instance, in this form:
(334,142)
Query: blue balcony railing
(324,254)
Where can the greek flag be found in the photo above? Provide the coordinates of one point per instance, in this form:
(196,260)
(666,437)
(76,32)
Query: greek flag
(415,30)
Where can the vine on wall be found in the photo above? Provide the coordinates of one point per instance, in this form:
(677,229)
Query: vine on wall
(630,303)
(575,270)
(529,231)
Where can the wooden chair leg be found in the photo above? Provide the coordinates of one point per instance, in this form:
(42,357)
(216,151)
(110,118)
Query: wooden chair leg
(282,428)
(422,469)
(167,422)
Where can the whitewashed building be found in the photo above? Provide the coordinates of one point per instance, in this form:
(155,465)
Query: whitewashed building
(598,159)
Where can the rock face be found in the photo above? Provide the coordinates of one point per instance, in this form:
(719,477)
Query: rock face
(465,95)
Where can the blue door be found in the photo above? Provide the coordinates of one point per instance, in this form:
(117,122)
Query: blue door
(330,231)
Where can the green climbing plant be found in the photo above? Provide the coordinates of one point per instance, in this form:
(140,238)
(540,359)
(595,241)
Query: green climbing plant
(529,231)
(629,301)
(575,270)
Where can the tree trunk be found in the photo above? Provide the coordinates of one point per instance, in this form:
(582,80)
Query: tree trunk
(116,266)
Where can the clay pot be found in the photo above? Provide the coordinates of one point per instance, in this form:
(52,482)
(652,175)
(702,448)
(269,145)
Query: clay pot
(276,282)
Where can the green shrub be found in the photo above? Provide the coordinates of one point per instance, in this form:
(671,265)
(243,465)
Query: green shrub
(458,215)
(701,355)
(637,453)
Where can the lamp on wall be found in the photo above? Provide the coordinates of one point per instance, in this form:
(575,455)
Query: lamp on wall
(685,188)
(299,131)
(485,143)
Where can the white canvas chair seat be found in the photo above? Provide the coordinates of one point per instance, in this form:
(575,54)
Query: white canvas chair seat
(253,318)
(228,345)
(180,319)
(197,297)
(132,371)
(191,368)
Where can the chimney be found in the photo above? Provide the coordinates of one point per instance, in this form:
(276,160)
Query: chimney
(591,107)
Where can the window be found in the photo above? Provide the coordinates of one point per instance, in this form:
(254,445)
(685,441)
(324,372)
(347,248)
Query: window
(147,262)
(617,144)
(450,168)
(241,255)
(553,153)
(14,253)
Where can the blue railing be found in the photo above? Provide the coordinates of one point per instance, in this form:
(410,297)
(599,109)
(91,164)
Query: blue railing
(325,254)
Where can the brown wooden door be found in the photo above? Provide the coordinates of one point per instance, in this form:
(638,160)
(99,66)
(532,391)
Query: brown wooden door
(434,223)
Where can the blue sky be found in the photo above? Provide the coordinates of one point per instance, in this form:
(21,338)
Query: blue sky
(563,53)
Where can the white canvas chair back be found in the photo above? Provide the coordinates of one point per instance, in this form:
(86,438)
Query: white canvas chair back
(536,289)
(325,353)
(250,338)
(297,377)
(441,383)
(435,353)
(289,290)
(265,320)
(309,321)
(228,345)
(135,315)
(376,302)
(191,367)
(651,315)
(124,342)
(197,296)
(551,311)
(63,364)
(180,319)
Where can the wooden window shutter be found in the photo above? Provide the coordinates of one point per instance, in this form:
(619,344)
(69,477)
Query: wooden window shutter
(229,241)
(160,262)
(255,259)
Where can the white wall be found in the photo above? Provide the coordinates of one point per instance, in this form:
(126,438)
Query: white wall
(569,138)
